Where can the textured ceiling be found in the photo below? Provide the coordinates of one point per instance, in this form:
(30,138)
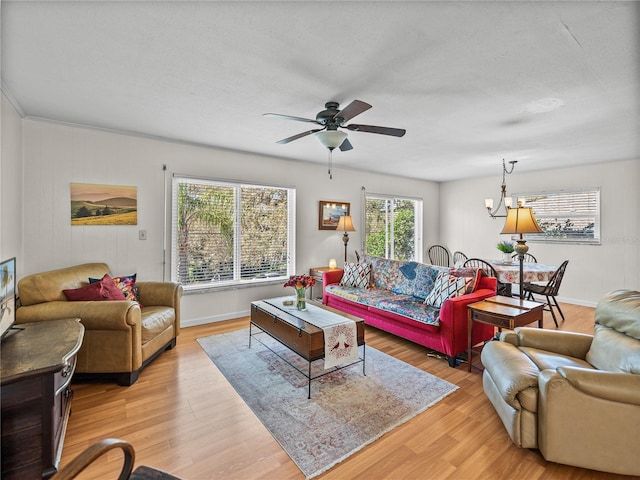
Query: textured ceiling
(549,84)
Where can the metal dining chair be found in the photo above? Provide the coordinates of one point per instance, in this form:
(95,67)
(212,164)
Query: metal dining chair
(487,268)
(528,258)
(439,255)
(459,257)
(550,291)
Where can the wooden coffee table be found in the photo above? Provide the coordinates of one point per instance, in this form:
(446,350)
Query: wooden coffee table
(503,312)
(299,336)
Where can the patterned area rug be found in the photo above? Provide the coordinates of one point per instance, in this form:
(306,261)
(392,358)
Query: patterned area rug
(347,410)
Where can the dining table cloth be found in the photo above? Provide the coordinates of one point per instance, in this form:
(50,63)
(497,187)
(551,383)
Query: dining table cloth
(532,272)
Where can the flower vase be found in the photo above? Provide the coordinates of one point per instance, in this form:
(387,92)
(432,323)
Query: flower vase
(506,257)
(301,303)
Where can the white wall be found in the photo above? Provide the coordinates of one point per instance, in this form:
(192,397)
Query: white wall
(11,184)
(50,156)
(593,270)
(56,155)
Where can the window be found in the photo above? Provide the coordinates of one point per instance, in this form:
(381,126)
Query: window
(227,234)
(392,227)
(565,216)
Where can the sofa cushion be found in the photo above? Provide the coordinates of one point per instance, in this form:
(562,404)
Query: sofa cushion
(614,351)
(155,320)
(403,278)
(550,360)
(49,286)
(104,289)
(356,275)
(403,305)
(445,287)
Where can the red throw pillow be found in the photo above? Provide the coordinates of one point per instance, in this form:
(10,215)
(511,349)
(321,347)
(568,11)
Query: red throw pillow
(105,289)
(110,290)
(126,284)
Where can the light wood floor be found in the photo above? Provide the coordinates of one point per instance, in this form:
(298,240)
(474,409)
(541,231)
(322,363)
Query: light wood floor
(183,417)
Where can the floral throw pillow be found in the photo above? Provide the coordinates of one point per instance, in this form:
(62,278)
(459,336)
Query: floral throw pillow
(445,287)
(356,275)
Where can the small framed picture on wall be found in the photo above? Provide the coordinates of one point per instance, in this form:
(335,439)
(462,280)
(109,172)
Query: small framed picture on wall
(330,213)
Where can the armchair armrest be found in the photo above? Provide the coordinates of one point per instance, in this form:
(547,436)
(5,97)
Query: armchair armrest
(331,276)
(160,293)
(566,343)
(614,386)
(108,315)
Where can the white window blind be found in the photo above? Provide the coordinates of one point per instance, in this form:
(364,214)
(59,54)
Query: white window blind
(565,216)
(393,226)
(227,234)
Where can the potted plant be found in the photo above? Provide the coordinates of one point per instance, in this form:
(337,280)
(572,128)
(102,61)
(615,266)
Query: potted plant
(507,250)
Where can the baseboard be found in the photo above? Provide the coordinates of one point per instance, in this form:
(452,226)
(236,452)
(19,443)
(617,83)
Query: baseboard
(574,301)
(216,318)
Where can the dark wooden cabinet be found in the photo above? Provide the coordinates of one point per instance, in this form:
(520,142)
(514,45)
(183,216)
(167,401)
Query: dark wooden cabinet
(36,368)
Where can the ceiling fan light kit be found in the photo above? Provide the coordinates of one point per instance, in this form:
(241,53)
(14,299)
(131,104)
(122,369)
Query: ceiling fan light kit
(331,138)
(332,118)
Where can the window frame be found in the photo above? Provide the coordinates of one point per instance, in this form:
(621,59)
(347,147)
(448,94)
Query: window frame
(418,214)
(237,282)
(525,198)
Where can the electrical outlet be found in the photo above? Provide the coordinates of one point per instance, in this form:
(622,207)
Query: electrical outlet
(142,234)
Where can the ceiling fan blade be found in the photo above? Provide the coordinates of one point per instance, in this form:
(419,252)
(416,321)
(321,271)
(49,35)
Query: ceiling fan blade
(394,132)
(289,117)
(354,108)
(300,135)
(346,145)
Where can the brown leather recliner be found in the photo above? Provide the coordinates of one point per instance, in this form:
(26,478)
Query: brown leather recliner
(575,397)
(120,337)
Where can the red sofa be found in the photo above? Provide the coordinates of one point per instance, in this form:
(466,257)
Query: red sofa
(448,335)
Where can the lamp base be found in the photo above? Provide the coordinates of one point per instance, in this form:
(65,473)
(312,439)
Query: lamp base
(521,248)
(345,239)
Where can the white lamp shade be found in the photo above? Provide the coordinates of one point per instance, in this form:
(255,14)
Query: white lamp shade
(488,202)
(331,138)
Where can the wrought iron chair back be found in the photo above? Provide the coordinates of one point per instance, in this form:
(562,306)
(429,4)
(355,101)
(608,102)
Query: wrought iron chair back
(459,257)
(528,258)
(550,291)
(439,255)
(487,268)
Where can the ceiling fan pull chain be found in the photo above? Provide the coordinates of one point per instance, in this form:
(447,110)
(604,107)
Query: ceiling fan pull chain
(330,162)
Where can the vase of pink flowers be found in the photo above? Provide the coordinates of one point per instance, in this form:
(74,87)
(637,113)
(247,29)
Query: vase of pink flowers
(300,283)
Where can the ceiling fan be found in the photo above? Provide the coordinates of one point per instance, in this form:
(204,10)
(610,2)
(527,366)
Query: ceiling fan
(331,119)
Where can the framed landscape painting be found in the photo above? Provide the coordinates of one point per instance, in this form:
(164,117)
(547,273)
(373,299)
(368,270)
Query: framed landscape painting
(330,213)
(95,204)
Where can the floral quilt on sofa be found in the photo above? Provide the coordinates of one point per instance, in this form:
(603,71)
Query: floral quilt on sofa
(397,287)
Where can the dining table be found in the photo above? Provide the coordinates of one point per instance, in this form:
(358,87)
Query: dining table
(509,272)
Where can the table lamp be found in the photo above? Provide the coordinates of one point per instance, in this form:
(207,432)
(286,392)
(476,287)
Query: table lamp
(345,224)
(521,220)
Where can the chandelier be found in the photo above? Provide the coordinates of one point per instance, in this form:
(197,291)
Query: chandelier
(504,199)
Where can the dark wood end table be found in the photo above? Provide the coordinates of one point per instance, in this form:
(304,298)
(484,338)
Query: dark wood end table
(503,312)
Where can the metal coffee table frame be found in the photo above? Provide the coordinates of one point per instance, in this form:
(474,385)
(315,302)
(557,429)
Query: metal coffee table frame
(283,316)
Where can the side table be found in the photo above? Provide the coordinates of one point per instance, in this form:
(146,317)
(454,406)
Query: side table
(37,365)
(503,312)
(316,272)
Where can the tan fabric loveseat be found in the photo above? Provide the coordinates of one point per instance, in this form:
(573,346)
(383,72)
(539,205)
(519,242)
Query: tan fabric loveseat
(120,337)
